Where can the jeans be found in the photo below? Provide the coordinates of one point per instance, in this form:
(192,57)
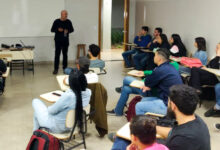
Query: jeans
(68,71)
(126,90)
(217,93)
(185,70)
(152,105)
(60,46)
(140,60)
(42,117)
(126,57)
(120,144)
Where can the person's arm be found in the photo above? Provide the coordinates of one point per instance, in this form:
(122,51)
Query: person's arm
(3,67)
(154,79)
(163,131)
(148,72)
(54,27)
(136,40)
(181,143)
(71,29)
(60,105)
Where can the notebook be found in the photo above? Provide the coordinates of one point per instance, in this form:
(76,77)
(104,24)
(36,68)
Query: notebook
(135,73)
(51,97)
(137,84)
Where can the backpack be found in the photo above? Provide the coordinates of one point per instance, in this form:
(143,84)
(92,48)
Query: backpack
(131,108)
(42,140)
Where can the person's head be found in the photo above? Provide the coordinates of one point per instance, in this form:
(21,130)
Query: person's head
(218,49)
(162,55)
(64,15)
(143,130)
(144,30)
(94,50)
(200,43)
(83,64)
(162,38)
(158,31)
(78,83)
(175,39)
(182,99)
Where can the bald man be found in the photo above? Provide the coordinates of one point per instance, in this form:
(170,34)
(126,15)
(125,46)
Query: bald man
(62,27)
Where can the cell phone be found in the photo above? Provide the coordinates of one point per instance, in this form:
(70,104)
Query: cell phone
(56,94)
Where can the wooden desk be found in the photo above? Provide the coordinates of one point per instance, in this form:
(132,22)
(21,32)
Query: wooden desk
(60,80)
(5,75)
(214,71)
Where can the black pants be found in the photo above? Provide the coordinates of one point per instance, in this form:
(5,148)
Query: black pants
(201,77)
(61,46)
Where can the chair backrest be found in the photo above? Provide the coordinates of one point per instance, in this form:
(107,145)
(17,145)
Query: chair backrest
(70,118)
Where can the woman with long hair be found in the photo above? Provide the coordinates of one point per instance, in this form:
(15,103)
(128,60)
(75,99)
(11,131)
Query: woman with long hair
(178,49)
(54,116)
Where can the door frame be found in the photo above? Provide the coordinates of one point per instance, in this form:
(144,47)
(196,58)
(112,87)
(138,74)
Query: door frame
(126,23)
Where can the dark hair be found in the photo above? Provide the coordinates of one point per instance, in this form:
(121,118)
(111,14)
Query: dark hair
(145,28)
(84,64)
(165,43)
(78,83)
(165,53)
(94,49)
(178,42)
(185,98)
(160,30)
(201,42)
(144,128)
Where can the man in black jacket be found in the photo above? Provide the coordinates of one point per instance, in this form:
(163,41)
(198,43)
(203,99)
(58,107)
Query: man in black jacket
(62,27)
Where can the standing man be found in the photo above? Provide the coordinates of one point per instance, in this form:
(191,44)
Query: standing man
(62,27)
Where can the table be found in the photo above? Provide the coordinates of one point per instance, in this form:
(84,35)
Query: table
(19,57)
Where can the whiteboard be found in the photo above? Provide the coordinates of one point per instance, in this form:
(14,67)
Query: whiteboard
(28,18)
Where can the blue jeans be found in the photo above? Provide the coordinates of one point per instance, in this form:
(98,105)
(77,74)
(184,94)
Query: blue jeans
(120,144)
(68,71)
(126,91)
(140,60)
(126,57)
(42,117)
(152,105)
(217,93)
(185,70)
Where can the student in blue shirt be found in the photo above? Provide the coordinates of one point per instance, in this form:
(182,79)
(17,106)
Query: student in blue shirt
(162,78)
(54,116)
(141,40)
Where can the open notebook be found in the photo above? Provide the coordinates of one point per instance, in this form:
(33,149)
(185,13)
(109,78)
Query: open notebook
(51,97)
(137,84)
(134,73)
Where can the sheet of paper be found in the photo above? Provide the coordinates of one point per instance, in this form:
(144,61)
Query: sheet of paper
(50,97)
(137,84)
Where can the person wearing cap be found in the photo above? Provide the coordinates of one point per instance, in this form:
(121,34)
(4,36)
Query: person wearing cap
(163,77)
(83,64)
(62,27)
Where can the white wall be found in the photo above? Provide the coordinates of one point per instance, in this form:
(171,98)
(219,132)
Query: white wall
(84,16)
(189,18)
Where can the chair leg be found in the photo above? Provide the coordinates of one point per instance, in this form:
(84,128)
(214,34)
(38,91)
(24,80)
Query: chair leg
(84,141)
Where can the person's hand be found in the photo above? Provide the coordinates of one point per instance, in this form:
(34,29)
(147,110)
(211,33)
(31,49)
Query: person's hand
(155,41)
(60,29)
(203,67)
(145,89)
(131,147)
(140,73)
(65,31)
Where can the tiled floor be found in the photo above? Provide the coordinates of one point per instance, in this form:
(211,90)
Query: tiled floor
(16,111)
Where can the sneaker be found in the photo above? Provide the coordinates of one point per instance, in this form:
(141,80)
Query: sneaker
(55,72)
(217,126)
(212,112)
(112,136)
(112,112)
(118,89)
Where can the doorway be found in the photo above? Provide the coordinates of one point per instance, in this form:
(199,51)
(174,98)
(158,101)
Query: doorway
(113,27)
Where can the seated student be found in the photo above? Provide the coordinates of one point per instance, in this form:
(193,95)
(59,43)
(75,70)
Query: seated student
(177,47)
(3,69)
(141,40)
(159,42)
(95,62)
(190,132)
(54,116)
(139,62)
(200,77)
(200,44)
(83,64)
(143,135)
(163,77)
(215,111)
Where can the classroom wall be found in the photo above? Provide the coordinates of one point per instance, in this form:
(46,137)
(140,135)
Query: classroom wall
(84,16)
(189,18)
